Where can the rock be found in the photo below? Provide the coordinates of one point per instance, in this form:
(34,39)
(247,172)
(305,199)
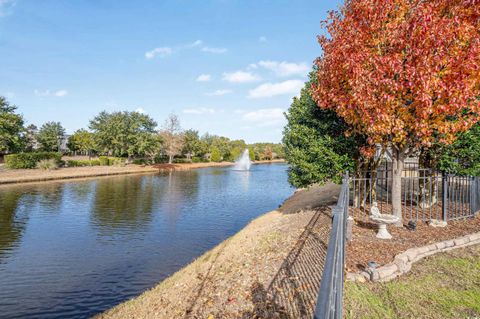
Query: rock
(355,277)
(437,223)
(461,241)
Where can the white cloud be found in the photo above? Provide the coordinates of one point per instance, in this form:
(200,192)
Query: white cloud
(265,117)
(161,52)
(204,78)
(194,44)
(262,39)
(6,7)
(271,89)
(44,93)
(61,93)
(199,111)
(240,77)
(140,110)
(219,92)
(285,68)
(214,50)
(41,93)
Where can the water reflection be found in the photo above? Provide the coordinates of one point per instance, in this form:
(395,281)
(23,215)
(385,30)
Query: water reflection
(123,205)
(76,248)
(12,221)
(181,190)
(243,178)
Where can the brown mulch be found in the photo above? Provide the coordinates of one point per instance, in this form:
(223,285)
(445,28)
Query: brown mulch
(365,247)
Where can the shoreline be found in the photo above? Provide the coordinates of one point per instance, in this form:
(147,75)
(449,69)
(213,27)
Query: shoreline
(228,280)
(19,176)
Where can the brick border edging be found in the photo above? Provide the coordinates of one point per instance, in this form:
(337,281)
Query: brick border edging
(402,263)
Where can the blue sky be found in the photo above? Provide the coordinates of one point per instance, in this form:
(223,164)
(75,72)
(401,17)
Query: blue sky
(229,67)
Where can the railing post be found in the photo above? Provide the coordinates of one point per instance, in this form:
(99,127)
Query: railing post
(444,196)
(472,194)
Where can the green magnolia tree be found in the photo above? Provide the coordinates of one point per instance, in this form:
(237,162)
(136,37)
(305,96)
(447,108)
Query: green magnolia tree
(315,143)
(11,128)
(124,133)
(193,145)
(463,156)
(82,141)
(50,136)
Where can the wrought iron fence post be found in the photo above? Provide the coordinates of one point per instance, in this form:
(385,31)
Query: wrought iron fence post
(444,196)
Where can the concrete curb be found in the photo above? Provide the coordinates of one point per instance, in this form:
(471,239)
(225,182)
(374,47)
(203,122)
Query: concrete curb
(402,263)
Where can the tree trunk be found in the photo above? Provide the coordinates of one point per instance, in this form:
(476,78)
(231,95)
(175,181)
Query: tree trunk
(170,159)
(397,171)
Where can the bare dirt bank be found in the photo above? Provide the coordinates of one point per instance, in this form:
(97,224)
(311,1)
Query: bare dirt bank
(38,175)
(270,269)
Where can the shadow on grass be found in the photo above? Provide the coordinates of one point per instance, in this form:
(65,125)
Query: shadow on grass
(293,291)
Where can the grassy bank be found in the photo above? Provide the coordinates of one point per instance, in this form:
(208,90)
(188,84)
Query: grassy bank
(268,269)
(442,286)
(38,175)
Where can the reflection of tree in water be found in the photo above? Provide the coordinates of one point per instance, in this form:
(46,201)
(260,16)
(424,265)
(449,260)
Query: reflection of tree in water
(50,195)
(181,189)
(123,204)
(81,190)
(12,221)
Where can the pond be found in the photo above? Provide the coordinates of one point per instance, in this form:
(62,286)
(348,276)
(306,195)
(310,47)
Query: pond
(76,248)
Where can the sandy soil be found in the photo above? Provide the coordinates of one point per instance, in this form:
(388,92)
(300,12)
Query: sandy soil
(270,269)
(36,175)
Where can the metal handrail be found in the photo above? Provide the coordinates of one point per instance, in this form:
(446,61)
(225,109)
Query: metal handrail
(330,296)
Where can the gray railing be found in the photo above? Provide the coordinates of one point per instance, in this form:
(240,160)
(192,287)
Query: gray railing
(475,198)
(330,296)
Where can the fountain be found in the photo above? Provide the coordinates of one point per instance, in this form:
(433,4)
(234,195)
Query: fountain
(243,163)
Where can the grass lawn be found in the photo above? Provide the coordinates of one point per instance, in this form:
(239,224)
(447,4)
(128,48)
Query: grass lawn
(445,285)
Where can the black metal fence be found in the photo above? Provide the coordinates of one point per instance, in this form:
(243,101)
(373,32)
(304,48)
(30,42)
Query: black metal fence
(330,296)
(425,194)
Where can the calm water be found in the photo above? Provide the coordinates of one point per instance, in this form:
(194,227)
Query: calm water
(73,249)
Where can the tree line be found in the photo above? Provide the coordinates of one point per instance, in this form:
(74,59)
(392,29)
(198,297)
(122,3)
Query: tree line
(127,134)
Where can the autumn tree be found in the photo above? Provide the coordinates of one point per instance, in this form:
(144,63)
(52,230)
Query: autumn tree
(172,136)
(405,73)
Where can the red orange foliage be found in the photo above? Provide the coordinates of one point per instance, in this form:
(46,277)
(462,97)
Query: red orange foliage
(405,73)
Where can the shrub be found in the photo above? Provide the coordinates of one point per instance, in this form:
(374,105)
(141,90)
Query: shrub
(82,163)
(141,161)
(103,160)
(197,159)
(30,160)
(94,162)
(118,161)
(47,164)
(181,160)
(160,159)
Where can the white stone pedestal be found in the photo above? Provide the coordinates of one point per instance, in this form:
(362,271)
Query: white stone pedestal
(383,232)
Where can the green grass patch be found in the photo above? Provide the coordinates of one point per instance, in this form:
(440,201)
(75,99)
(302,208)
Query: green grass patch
(443,286)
